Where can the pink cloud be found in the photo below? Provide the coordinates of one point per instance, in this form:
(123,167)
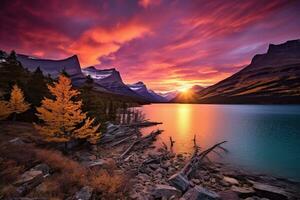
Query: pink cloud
(166,44)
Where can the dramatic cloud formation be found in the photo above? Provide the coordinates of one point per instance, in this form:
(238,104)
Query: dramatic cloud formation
(165,43)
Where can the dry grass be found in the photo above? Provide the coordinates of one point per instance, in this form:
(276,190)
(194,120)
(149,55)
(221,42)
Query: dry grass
(67,175)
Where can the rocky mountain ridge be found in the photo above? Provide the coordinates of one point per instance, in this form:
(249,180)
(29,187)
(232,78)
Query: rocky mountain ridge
(142,90)
(273,77)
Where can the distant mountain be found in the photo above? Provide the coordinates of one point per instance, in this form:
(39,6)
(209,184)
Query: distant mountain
(273,77)
(169,95)
(142,90)
(52,67)
(111,80)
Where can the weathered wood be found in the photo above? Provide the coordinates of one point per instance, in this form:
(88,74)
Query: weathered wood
(143,124)
(171,142)
(145,140)
(121,141)
(194,140)
(196,159)
(129,148)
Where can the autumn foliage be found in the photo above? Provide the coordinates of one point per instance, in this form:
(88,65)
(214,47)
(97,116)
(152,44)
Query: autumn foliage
(4,110)
(16,103)
(62,116)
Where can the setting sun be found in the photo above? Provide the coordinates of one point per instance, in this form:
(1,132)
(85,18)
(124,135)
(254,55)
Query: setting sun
(184,89)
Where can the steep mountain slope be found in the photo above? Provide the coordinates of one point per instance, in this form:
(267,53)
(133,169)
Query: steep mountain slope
(111,80)
(169,95)
(53,67)
(142,90)
(273,77)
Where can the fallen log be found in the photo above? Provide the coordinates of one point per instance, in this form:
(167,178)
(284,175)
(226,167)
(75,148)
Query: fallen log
(142,124)
(147,140)
(196,159)
(121,141)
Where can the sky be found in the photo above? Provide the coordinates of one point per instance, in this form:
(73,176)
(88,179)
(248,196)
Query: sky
(167,44)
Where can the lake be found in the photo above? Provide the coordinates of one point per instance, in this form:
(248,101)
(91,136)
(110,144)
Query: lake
(262,138)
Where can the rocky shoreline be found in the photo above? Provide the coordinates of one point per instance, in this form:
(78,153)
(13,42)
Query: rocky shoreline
(159,173)
(153,171)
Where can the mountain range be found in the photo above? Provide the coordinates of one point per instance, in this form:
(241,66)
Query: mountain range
(105,80)
(150,95)
(273,77)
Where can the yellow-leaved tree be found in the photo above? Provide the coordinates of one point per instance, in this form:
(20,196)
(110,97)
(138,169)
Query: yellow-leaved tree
(17,103)
(4,110)
(62,116)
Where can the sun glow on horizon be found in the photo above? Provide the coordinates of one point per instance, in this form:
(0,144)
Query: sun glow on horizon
(184,89)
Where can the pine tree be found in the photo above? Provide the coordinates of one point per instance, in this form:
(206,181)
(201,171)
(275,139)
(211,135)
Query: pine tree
(5,111)
(62,116)
(36,87)
(17,103)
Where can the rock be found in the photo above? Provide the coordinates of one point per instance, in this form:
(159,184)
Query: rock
(166,165)
(95,163)
(94,148)
(228,195)
(179,181)
(28,181)
(154,166)
(17,141)
(200,193)
(269,191)
(196,181)
(165,191)
(224,183)
(42,167)
(85,156)
(84,193)
(230,180)
(29,177)
(243,192)
(28,198)
(255,198)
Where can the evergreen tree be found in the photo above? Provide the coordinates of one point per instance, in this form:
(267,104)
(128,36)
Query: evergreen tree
(12,73)
(17,103)
(37,87)
(62,116)
(65,73)
(12,56)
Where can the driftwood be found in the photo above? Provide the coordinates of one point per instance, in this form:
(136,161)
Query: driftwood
(197,158)
(121,141)
(143,124)
(171,142)
(143,140)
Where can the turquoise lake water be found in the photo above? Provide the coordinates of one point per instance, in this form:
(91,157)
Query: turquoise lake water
(262,138)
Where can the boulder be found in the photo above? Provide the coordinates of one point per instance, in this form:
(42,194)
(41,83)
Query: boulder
(269,191)
(230,180)
(30,177)
(243,192)
(180,181)
(165,191)
(42,167)
(200,193)
(84,193)
(228,195)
